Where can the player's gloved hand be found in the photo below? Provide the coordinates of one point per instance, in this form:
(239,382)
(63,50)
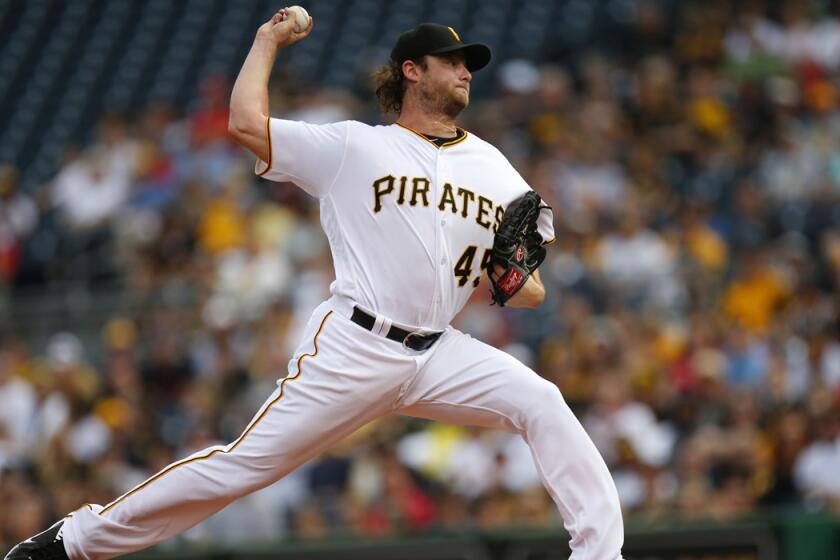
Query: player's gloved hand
(517,248)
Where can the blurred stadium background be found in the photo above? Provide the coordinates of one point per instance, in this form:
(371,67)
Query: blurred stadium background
(151,287)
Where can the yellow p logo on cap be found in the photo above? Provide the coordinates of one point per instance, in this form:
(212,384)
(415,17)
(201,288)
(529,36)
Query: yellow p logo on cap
(456,35)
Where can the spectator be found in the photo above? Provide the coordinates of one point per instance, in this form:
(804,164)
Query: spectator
(18,218)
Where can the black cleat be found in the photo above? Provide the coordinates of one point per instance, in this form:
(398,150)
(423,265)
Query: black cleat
(48,545)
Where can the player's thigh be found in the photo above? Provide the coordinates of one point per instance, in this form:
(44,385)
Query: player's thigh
(467,381)
(335,384)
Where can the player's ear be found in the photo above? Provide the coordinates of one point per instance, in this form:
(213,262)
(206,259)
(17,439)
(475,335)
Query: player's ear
(411,70)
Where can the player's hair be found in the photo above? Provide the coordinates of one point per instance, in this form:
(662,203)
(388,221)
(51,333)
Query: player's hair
(390,85)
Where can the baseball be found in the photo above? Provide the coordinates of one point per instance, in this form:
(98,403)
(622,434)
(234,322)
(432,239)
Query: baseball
(299,16)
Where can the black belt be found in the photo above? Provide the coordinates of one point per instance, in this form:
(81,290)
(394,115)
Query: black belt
(413,340)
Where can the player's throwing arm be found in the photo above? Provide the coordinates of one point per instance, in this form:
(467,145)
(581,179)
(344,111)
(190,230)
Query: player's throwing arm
(249,98)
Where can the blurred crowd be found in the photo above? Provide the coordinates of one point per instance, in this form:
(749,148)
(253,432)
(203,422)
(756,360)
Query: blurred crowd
(691,317)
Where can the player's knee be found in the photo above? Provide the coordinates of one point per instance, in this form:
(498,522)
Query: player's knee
(541,400)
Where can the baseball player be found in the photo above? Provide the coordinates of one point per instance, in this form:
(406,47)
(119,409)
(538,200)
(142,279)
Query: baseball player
(415,212)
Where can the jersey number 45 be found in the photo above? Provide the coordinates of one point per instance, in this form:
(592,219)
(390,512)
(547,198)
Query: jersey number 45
(463,268)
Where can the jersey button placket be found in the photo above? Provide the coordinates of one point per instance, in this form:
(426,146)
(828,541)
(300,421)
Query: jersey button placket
(443,277)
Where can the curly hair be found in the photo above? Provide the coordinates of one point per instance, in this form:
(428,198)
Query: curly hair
(390,85)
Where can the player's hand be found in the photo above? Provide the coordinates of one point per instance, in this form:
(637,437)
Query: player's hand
(280,30)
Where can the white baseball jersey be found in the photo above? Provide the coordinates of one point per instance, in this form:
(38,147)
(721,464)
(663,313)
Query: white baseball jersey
(410,224)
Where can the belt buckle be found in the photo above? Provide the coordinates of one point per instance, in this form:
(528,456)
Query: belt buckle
(408,337)
(423,340)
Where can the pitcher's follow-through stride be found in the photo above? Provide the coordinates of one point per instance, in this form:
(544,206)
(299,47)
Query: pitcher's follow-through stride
(411,211)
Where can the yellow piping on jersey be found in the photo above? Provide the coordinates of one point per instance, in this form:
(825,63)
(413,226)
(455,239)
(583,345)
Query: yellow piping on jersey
(268,134)
(445,144)
(239,440)
(456,141)
(550,241)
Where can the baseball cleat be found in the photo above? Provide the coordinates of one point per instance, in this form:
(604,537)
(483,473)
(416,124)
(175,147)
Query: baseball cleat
(48,545)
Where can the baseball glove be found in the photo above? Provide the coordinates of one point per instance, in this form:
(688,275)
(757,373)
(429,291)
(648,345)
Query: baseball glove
(517,248)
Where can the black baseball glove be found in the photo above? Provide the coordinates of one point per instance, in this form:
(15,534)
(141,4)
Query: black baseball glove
(517,247)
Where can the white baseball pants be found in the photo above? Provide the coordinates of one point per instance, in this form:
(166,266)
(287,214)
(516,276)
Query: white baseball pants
(341,377)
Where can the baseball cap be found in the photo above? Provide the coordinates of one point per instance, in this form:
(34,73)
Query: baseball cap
(434,38)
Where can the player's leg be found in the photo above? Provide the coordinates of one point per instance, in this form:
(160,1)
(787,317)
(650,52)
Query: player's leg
(466,381)
(335,385)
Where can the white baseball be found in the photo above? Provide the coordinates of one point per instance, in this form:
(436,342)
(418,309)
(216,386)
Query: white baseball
(299,16)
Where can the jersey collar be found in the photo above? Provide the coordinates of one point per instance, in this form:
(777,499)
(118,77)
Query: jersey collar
(457,140)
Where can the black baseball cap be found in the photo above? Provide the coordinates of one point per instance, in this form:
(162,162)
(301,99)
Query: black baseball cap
(434,38)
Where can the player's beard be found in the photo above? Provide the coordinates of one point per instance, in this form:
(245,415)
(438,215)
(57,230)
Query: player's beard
(438,98)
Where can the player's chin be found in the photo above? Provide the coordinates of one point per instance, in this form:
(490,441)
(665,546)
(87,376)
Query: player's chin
(458,101)
(464,94)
